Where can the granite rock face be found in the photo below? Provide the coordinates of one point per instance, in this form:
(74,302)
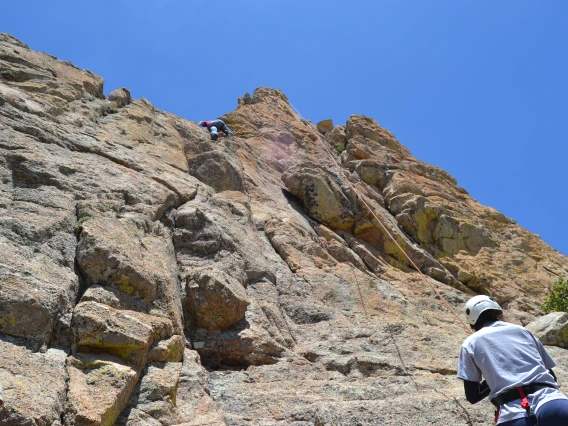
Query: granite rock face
(551,329)
(149,276)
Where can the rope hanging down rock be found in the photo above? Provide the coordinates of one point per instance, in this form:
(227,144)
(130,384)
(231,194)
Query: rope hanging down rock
(442,299)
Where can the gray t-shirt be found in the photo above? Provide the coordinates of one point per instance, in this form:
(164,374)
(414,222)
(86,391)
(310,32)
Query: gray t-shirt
(508,356)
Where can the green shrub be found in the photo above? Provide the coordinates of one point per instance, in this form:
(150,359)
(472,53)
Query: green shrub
(339,147)
(557,298)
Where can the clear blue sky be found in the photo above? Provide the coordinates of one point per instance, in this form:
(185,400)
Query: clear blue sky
(477,87)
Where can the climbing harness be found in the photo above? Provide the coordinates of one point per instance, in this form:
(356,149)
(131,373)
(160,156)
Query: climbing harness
(519,393)
(527,406)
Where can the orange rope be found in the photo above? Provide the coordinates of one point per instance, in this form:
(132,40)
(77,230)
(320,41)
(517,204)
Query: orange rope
(383,226)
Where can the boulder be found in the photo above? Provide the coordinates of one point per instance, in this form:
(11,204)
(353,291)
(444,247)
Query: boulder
(325,126)
(120,97)
(323,198)
(359,125)
(139,262)
(337,137)
(99,389)
(125,334)
(214,301)
(170,350)
(110,253)
(551,329)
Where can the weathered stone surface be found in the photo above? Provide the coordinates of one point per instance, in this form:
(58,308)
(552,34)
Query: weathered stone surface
(172,393)
(325,126)
(114,298)
(337,137)
(196,407)
(34,385)
(215,301)
(360,126)
(34,293)
(108,207)
(227,175)
(157,395)
(297,252)
(121,97)
(104,241)
(99,388)
(322,197)
(170,350)
(244,345)
(125,334)
(34,71)
(136,261)
(551,329)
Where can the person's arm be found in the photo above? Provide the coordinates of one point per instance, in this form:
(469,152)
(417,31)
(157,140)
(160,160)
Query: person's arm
(475,391)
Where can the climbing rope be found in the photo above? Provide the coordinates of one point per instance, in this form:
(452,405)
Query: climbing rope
(467,329)
(442,299)
(311,127)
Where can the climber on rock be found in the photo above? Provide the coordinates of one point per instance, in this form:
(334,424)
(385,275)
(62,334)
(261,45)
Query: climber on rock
(516,367)
(1,397)
(214,126)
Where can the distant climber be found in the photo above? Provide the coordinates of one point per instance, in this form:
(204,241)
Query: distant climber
(516,367)
(1,397)
(214,126)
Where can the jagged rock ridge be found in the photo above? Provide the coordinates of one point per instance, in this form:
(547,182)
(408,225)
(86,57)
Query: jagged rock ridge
(151,277)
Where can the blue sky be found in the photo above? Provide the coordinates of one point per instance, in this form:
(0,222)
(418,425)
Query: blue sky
(476,87)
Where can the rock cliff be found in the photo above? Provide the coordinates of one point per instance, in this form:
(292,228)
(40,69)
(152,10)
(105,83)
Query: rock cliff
(149,276)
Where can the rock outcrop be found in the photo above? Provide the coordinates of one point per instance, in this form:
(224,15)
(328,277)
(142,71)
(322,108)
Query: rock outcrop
(151,277)
(551,329)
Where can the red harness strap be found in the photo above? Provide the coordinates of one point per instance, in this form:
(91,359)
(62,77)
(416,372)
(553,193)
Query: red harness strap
(525,404)
(524,401)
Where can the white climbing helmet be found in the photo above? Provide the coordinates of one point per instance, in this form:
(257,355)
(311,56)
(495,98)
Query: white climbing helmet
(478,304)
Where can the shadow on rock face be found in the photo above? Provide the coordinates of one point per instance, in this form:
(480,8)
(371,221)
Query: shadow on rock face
(244,345)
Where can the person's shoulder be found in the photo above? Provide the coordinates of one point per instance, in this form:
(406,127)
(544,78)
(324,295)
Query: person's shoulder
(470,339)
(495,327)
(509,326)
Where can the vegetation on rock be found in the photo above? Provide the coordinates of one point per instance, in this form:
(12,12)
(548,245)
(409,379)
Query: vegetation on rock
(557,298)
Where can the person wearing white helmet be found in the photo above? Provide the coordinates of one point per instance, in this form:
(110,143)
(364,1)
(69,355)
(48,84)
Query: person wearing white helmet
(515,365)
(216,125)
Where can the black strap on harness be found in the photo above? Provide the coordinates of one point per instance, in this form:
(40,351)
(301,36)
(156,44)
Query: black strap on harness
(513,394)
(519,393)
